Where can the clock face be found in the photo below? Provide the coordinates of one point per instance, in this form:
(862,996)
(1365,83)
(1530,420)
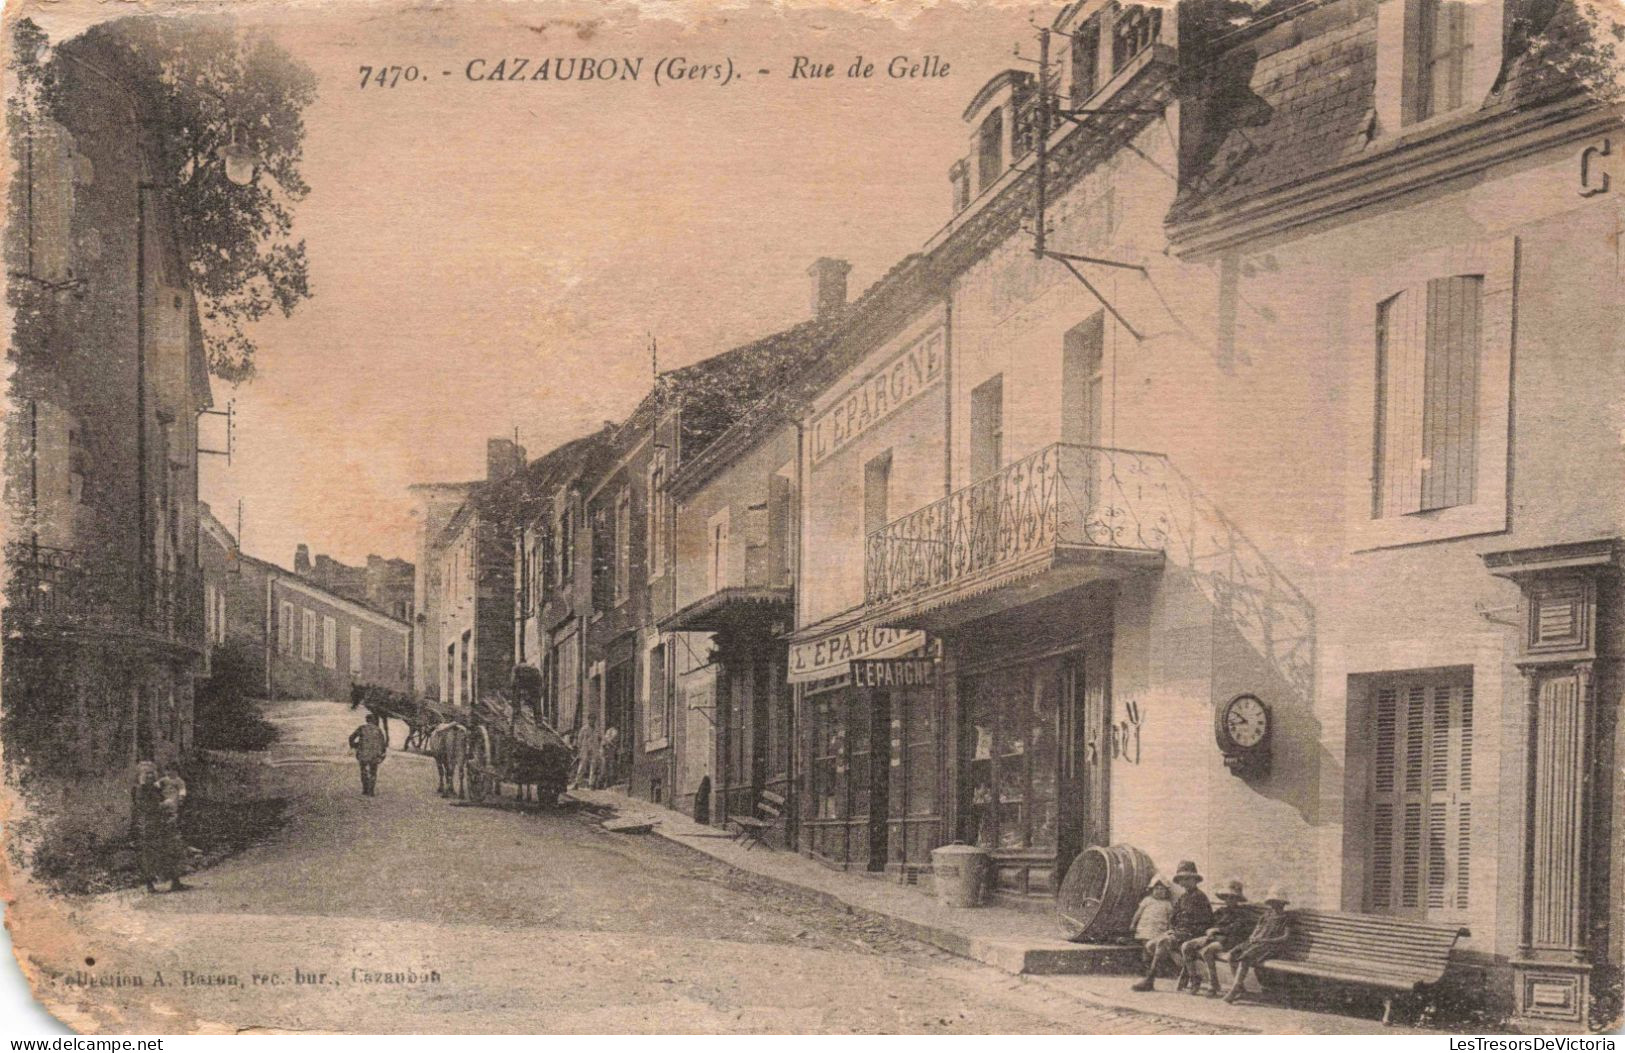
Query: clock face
(1246,721)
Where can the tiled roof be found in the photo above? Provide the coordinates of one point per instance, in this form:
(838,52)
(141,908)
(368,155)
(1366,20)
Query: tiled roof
(1298,100)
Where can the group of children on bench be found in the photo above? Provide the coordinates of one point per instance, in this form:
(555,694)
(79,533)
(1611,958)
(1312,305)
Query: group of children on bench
(1188,933)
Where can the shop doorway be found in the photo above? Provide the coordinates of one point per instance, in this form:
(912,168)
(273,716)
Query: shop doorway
(1035,754)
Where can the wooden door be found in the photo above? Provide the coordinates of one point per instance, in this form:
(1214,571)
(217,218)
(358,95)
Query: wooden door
(1085,744)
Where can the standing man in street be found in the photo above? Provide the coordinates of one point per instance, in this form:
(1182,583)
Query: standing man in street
(370,745)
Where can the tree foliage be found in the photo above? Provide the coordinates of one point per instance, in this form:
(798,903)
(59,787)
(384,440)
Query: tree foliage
(201,84)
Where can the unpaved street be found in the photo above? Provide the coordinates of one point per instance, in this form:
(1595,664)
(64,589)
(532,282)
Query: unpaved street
(406,912)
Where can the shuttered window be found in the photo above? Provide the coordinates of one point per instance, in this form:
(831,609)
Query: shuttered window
(1425,453)
(1421,796)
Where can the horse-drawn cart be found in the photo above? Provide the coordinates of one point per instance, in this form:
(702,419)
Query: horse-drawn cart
(418,714)
(507,745)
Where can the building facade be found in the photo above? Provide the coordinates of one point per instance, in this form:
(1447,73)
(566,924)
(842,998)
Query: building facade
(303,642)
(104,630)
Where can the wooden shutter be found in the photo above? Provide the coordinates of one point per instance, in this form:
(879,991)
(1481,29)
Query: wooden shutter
(1450,405)
(1421,797)
(1425,448)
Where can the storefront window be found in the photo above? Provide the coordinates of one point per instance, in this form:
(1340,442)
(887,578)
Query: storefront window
(1013,756)
(858,717)
(826,751)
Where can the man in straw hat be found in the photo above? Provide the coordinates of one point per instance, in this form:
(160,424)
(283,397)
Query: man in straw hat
(1231,924)
(1192,916)
(1265,942)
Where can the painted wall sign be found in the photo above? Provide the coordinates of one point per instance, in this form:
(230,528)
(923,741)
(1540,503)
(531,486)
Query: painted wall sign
(894,672)
(904,377)
(832,655)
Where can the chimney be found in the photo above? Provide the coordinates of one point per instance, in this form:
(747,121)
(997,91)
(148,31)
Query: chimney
(301,561)
(503,457)
(828,287)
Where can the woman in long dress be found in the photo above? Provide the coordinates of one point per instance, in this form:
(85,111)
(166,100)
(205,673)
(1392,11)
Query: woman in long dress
(154,831)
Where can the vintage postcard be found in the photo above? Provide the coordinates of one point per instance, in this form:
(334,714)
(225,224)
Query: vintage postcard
(815,517)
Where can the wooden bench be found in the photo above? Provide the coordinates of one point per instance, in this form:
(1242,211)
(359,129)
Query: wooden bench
(753,829)
(1397,956)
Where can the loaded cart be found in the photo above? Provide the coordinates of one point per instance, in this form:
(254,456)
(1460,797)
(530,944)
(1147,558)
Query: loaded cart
(506,744)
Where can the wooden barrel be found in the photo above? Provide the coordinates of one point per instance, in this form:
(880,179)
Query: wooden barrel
(1100,891)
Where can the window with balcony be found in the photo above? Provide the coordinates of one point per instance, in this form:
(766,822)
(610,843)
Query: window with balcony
(987,428)
(1083,382)
(1426,429)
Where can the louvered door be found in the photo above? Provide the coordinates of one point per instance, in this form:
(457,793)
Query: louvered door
(1421,797)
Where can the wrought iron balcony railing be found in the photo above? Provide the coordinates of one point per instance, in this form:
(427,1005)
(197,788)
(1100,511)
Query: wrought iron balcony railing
(1102,506)
(1062,495)
(70,589)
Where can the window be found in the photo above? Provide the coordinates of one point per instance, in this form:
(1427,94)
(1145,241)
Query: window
(330,643)
(355,650)
(623,545)
(1135,29)
(564,533)
(449,693)
(1425,446)
(1082,382)
(716,562)
(1085,61)
(1421,740)
(1438,58)
(656,704)
(285,629)
(209,631)
(876,493)
(990,151)
(603,560)
(781,525)
(1011,744)
(463,685)
(307,648)
(987,429)
(656,525)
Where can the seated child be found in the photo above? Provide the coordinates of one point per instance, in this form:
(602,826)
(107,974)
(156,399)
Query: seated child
(1265,942)
(1231,925)
(1153,915)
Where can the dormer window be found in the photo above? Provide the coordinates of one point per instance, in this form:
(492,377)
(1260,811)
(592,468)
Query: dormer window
(1442,47)
(990,151)
(1435,58)
(1134,30)
(1085,62)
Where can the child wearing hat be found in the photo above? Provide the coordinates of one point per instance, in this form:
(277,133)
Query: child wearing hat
(1231,924)
(1264,943)
(1191,916)
(1154,914)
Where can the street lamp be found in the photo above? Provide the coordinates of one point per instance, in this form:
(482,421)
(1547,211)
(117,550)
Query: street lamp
(239,160)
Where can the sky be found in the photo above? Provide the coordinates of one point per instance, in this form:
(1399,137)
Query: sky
(491,256)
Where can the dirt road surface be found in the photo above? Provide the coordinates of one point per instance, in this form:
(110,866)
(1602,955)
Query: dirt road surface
(409,913)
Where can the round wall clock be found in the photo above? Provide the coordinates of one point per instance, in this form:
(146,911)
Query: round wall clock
(1242,727)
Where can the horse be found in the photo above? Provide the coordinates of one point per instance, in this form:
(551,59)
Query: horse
(365,695)
(448,743)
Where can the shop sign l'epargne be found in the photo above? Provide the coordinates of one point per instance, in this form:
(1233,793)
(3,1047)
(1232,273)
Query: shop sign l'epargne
(914,370)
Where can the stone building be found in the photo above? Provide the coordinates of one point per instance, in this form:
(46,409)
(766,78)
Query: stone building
(302,641)
(104,632)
